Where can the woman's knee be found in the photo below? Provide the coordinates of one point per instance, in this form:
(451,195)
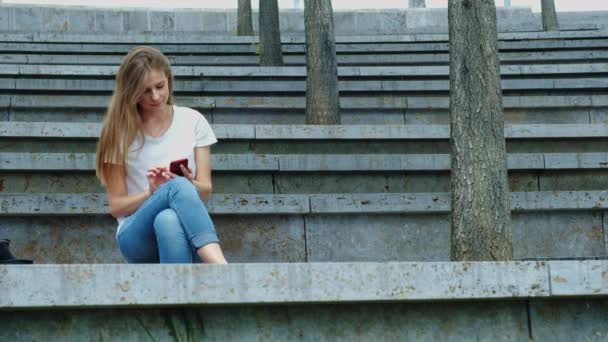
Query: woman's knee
(167,223)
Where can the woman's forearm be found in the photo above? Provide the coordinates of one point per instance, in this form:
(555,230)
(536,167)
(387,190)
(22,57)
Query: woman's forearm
(126,205)
(204,188)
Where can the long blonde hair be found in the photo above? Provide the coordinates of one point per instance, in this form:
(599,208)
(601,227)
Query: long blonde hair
(122,123)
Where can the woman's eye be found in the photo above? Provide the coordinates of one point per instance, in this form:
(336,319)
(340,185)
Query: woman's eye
(160,86)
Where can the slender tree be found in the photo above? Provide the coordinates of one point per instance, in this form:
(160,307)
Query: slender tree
(416,4)
(549,15)
(481,216)
(245,19)
(322,97)
(270,34)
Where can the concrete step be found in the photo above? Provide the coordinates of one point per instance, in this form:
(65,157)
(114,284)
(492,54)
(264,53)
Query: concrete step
(356,110)
(316,162)
(76,130)
(382,227)
(229,204)
(96,47)
(371,59)
(327,173)
(145,285)
(356,301)
(166,37)
(108,72)
(529,84)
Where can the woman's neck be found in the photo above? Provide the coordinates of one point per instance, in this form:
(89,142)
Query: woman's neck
(152,116)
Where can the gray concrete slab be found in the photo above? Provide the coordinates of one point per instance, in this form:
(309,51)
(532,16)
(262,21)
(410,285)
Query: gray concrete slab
(6,18)
(86,161)
(569,319)
(352,238)
(440,202)
(92,204)
(135,21)
(55,19)
(81,21)
(27,19)
(565,200)
(578,277)
(557,234)
(259,204)
(576,160)
(188,21)
(91,239)
(490,320)
(109,21)
(120,285)
(162,21)
(569,180)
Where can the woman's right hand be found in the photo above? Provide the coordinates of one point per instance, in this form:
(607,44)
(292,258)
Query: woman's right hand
(158,176)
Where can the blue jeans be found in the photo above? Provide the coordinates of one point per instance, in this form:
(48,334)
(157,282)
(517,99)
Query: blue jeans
(168,227)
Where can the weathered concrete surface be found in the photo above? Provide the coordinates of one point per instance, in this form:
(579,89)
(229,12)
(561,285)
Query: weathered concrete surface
(101,72)
(93,204)
(75,130)
(569,319)
(440,202)
(492,320)
(244,204)
(557,234)
(121,285)
(209,21)
(91,239)
(353,238)
(579,277)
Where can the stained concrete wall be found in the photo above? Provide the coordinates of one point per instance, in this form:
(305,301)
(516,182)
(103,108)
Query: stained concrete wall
(87,20)
(538,320)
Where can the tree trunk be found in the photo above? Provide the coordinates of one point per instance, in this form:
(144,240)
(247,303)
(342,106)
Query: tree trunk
(270,34)
(549,15)
(322,97)
(416,4)
(481,216)
(245,21)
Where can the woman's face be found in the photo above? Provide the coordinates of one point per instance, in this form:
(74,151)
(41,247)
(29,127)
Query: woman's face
(156,91)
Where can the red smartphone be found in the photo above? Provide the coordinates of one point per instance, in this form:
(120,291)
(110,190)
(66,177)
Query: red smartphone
(174,166)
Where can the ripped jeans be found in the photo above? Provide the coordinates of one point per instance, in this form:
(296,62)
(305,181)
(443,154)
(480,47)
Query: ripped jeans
(169,227)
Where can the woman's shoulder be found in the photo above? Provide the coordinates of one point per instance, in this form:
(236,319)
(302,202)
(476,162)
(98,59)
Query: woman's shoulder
(188,114)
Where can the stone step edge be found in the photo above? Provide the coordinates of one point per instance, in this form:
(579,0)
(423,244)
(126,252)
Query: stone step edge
(299,102)
(114,285)
(44,161)
(313,132)
(298,71)
(14,204)
(180,37)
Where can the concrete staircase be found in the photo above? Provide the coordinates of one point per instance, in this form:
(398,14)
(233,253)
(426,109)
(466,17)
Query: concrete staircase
(369,199)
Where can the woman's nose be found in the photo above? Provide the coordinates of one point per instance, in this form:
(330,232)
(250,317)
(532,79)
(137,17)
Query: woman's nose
(155,95)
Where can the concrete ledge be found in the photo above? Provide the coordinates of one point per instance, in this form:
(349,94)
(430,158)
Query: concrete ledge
(38,286)
(181,38)
(440,202)
(298,71)
(75,130)
(318,162)
(226,204)
(299,102)
(579,278)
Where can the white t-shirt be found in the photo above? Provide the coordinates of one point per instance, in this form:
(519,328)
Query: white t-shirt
(189,129)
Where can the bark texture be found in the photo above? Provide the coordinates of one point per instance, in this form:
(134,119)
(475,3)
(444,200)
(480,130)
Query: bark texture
(416,4)
(245,19)
(481,216)
(322,98)
(549,15)
(270,34)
